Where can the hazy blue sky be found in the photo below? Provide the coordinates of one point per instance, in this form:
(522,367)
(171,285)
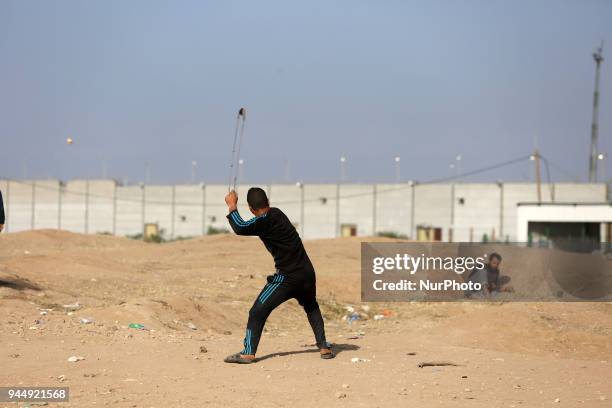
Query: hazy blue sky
(133,81)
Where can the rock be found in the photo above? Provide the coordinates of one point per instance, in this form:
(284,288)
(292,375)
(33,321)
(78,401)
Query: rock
(203,349)
(557,400)
(61,378)
(346,386)
(192,326)
(340,395)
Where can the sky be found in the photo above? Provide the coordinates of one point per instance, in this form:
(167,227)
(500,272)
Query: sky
(161,82)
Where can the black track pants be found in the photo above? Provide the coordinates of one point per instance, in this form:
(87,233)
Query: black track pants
(299,285)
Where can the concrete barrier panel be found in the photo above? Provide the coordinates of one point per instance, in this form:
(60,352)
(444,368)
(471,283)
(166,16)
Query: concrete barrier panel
(433,206)
(158,208)
(101,206)
(320,210)
(129,219)
(189,210)
(288,197)
(357,208)
(477,212)
(47,204)
(394,209)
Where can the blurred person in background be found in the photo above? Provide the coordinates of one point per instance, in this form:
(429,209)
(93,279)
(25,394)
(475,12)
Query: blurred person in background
(1,213)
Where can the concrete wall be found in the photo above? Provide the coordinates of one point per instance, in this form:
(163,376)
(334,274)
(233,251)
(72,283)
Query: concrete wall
(469,210)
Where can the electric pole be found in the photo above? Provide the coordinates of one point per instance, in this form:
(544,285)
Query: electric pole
(598,57)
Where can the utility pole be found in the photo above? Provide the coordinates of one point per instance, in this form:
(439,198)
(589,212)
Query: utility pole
(536,157)
(598,57)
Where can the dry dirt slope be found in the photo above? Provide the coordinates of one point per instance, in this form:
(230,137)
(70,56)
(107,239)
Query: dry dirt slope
(510,354)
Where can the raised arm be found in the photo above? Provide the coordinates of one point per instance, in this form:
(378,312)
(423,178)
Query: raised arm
(254,226)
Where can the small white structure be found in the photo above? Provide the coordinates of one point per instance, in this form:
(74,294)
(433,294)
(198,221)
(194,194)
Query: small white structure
(592,220)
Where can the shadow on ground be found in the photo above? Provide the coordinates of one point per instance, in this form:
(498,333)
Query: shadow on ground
(17,283)
(338,348)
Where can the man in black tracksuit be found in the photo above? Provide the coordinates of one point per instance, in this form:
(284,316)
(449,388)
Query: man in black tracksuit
(294,277)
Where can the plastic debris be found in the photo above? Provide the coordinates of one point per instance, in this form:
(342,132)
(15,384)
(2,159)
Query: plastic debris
(437,364)
(73,306)
(359,360)
(192,326)
(379,317)
(353,316)
(86,320)
(137,326)
(74,359)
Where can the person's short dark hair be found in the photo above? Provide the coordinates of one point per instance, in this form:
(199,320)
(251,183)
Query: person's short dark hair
(257,198)
(496,256)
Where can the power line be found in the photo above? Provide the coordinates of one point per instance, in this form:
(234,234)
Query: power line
(331,198)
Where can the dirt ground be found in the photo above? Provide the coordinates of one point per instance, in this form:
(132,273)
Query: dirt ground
(196,293)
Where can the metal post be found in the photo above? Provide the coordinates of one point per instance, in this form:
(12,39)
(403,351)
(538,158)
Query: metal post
(536,157)
(398,176)
(342,169)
